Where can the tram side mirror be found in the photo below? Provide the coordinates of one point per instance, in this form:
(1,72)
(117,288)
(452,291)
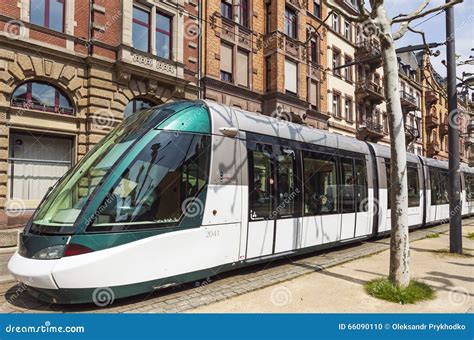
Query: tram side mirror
(229,131)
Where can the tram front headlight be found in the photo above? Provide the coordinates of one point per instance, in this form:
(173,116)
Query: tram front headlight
(50,253)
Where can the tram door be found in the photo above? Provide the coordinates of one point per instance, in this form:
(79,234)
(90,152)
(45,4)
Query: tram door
(261,223)
(288,200)
(274,200)
(348,196)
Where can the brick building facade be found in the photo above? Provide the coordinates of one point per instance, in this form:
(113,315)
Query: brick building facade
(68,74)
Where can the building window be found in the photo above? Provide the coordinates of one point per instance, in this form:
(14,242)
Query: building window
(43,97)
(35,163)
(336,105)
(227,56)
(314,51)
(291,77)
(136,105)
(242,73)
(335,22)
(291,23)
(163,36)
(226,9)
(244,13)
(336,62)
(313,94)
(268,17)
(268,73)
(317,9)
(141,29)
(48,13)
(349,110)
(347,30)
(348,70)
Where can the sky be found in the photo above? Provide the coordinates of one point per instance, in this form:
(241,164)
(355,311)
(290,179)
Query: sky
(435,30)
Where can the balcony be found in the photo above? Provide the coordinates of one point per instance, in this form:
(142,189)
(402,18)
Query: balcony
(432,121)
(368,90)
(411,133)
(431,97)
(432,148)
(409,102)
(370,131)
(444,126)
(369,48)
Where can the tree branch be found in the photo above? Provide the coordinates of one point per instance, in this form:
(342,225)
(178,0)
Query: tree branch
(414,16)
(355,18)
(405,24)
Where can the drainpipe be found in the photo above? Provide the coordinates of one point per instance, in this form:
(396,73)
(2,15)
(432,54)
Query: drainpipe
(200,22)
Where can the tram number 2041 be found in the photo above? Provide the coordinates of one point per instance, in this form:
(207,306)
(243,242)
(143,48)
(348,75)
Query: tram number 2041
(212,233)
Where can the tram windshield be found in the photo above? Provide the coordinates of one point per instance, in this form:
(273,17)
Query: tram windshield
(61,208)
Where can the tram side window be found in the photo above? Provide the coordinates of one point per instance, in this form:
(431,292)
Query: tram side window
(362,188)
(439,187)
(348,186)
(413,187)
(260,181)
(153,188)
(469,187)
(320,184)
(288,196)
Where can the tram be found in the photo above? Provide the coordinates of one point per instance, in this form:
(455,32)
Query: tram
(189,189)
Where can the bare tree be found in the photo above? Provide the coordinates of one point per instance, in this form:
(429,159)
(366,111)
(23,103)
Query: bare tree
(375,15)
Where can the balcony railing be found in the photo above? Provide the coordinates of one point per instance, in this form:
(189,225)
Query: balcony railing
(433,148)
(443,126)
(366,89)
(431,97)
(368,47)
(409,102)
(432,121)
(370,130)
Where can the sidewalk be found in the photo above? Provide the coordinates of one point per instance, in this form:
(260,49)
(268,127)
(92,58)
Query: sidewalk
(326,281)
(340,289)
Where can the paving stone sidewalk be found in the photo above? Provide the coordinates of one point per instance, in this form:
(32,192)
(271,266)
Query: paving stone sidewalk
(220,287)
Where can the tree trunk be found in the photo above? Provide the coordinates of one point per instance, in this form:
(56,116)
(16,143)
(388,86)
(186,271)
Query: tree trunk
(399,273)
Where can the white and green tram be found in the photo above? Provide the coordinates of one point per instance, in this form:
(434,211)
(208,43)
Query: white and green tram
(189,189)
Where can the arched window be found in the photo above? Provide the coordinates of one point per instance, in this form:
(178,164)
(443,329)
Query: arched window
(41,96)
(136,105)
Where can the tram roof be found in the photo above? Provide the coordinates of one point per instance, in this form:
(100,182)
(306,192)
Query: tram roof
(223,116)
(384,151)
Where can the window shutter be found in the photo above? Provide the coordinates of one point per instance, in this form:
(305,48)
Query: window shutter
(291,76)
(226,58)
(242,68)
